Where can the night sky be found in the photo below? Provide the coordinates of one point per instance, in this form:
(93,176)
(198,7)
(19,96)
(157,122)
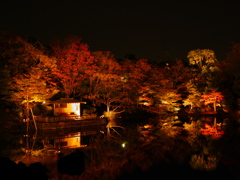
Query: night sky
(155,30)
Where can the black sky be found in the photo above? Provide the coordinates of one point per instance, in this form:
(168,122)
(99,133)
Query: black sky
(148,29)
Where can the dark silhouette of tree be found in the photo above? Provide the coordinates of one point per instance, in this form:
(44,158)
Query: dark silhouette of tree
(230,77)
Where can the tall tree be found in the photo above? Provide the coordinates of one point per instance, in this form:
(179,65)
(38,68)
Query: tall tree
(232,62)
(30,89)
(202,58)
(213,97)
(194,96)
(105,85)
(136,76)
(74,63)
(230,77)
(22,60)
(205,67)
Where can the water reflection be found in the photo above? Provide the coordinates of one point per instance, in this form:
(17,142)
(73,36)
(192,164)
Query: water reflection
(203,134)
(53,140)
(72,140)
(168,138)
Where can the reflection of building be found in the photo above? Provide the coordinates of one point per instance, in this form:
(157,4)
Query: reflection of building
(73,140)
(70,138)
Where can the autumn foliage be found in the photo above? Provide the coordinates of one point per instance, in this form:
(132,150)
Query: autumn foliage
(212,131)
(212,98)
(69,67)
(74,63)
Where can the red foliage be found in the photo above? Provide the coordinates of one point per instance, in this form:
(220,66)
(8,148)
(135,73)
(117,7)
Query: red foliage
(74,63)
(212,97)
(212,131)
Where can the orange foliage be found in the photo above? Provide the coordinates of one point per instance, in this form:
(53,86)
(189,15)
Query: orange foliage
(213,97)
(74,63)
(212,131)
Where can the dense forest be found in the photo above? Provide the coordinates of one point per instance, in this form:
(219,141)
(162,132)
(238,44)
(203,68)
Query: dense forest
(33,73)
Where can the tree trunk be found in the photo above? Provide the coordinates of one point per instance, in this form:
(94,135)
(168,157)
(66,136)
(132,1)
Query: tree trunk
(108,106)
(214,107)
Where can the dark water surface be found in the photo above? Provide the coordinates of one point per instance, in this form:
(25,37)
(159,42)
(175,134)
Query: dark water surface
(195,146)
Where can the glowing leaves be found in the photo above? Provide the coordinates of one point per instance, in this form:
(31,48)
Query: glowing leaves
(212,98)
(201,58)
(170,99)
(73,61)
(105,80)
(193,99)
(212,131)
(32,87)
(137,76)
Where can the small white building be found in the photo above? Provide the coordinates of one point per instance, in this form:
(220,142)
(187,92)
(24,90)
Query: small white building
(67,107)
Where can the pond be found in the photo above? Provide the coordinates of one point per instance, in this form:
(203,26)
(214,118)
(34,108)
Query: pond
(195,144)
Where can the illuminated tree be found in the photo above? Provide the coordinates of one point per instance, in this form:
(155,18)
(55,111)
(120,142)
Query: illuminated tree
(27,68)
(205,68)
(135,76)
(18,54)
(170,99)
(105,85)
(194,96)
(168,84)
(74,63)
(213,97)
(30,89)
(202,58)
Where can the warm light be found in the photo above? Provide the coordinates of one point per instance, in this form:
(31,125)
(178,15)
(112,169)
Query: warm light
(75,108)
(177,108)
(124,145)
(148,126)
(164,102)
(212,131)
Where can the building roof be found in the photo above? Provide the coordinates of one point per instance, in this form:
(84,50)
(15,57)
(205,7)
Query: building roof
(66,100)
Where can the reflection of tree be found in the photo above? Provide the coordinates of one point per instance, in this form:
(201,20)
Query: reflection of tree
(171,126)
(203,161)
(212,131)
(205,152)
